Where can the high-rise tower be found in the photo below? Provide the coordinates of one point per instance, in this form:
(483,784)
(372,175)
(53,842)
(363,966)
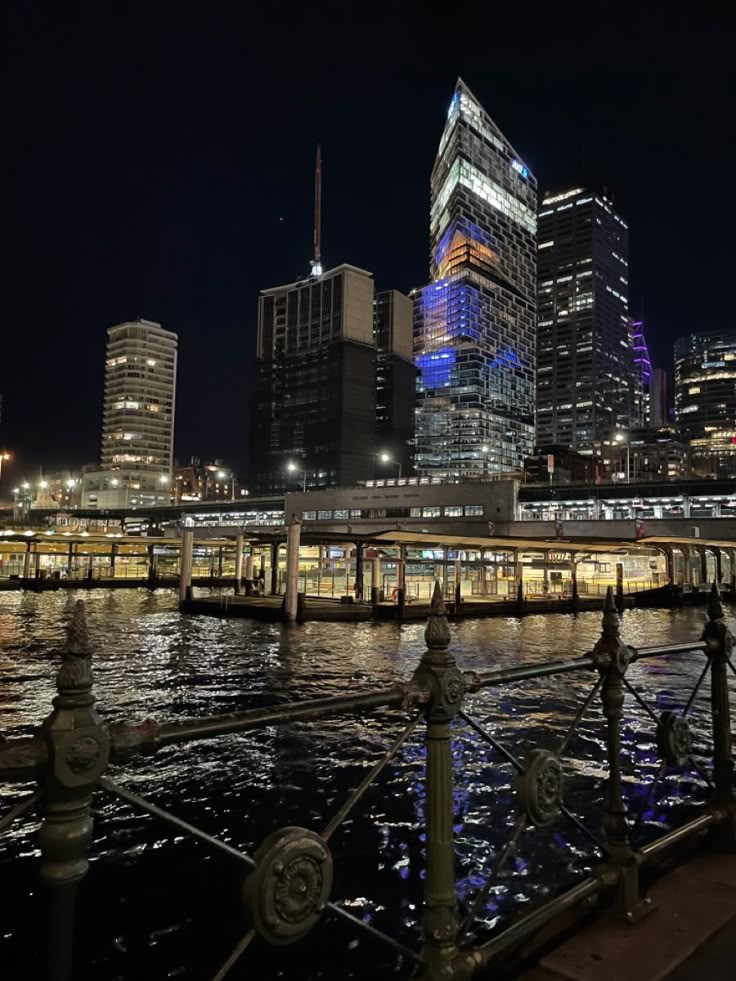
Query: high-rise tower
(474,324)
(585,354)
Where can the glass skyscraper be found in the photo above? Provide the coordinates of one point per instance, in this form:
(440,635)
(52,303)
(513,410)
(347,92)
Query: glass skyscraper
(474,324)
(585,343)
(705,400)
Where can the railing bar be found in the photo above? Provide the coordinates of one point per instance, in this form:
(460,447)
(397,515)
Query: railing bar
(539,671)
(630,688)
(482,895)
(334,908)
(673,837)
(700,771)
(580,826)
(729,662)
(172,819)
(20,809)
(686,648)
(297,711)
(509,757)
(239,948)
(696,689)
(369,778)
(581,712)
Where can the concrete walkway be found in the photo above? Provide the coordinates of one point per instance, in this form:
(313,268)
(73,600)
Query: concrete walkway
(690,936)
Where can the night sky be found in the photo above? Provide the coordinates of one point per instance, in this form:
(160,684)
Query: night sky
(161,164)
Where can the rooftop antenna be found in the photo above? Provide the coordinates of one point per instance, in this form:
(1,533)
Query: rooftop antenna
(317,261)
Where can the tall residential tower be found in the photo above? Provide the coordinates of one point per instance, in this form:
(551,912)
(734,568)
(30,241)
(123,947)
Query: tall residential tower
(585,358)
(474,324)
(138,418)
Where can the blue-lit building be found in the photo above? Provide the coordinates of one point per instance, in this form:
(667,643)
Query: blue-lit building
(474,324)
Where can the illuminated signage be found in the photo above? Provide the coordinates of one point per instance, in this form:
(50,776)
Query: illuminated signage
(520,168)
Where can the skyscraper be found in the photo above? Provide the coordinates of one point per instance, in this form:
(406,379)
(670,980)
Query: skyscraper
(395,377)
(584,346)
(474,324)
(641,377)
(314,413)
(705,400)
(138,418)
(658,404)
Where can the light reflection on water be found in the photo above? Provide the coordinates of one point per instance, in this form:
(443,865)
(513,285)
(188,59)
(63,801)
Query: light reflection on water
(157,905)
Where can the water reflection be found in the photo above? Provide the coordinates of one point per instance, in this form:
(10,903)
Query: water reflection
(157,905)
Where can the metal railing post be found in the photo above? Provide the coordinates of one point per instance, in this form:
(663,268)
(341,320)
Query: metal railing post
(439,675)
(78,748)
(611,657)
(720,643)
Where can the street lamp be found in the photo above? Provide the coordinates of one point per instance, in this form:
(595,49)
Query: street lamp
(622,438)
(4,456)
(386,458)
(294,468)
(221,475)
(485,450)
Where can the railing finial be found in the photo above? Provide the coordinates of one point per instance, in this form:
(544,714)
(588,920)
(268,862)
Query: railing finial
(77,634)
(437,631)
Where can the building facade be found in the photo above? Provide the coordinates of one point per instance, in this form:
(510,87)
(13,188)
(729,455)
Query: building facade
(395,379)
(314,412)
(705,401)
(138,418)
(474,324)
(584,343)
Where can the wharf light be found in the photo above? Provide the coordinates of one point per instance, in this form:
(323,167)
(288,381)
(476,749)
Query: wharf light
(26,486)
(385,458)
(221,474)
(291,466)
(43,484)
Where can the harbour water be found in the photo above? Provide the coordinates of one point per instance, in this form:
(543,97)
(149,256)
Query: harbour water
(158,905)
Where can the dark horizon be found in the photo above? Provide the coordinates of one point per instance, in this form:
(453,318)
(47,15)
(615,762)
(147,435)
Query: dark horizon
(164,169)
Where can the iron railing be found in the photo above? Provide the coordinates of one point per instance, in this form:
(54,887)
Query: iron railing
(289,877)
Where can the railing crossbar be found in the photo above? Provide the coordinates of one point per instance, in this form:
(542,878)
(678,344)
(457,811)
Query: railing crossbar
(578,717)
(21,808)
(510,675)
(235,954)
(509,757)
(580,826)
(696,689)
(481,896)
(365,783)
(145,805)
(640,700)
(666,649)
(374,931)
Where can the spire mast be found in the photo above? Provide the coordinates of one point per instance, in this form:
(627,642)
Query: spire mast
(317,261)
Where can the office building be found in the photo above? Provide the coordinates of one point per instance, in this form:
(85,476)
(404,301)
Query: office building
(646,454)
(314,412)
(138,418)
(474,324)
(197,481)
(395,380)
(641,377)
(705,401)
(659,410)
(584,345)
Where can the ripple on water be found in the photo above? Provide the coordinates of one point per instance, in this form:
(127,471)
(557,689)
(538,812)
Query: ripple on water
(160,905)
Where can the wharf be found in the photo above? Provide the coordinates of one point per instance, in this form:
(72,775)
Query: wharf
(323,609)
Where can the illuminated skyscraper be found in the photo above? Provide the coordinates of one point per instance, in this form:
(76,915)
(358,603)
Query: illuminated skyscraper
(585,356)
(705,401)
(642,376)
(474,324)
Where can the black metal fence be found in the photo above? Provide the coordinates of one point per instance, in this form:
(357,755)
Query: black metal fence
(289,877)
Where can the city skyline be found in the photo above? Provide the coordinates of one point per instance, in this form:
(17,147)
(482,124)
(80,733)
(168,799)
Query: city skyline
(110,231)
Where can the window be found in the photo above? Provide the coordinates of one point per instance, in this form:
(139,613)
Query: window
(431,512)
(342,513)
(454,511)
(355,512)
(473,510)
(324,515)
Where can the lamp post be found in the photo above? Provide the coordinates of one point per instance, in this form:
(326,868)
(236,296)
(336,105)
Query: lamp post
(622,438)
(386,458)
(4,457)
(294,468)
